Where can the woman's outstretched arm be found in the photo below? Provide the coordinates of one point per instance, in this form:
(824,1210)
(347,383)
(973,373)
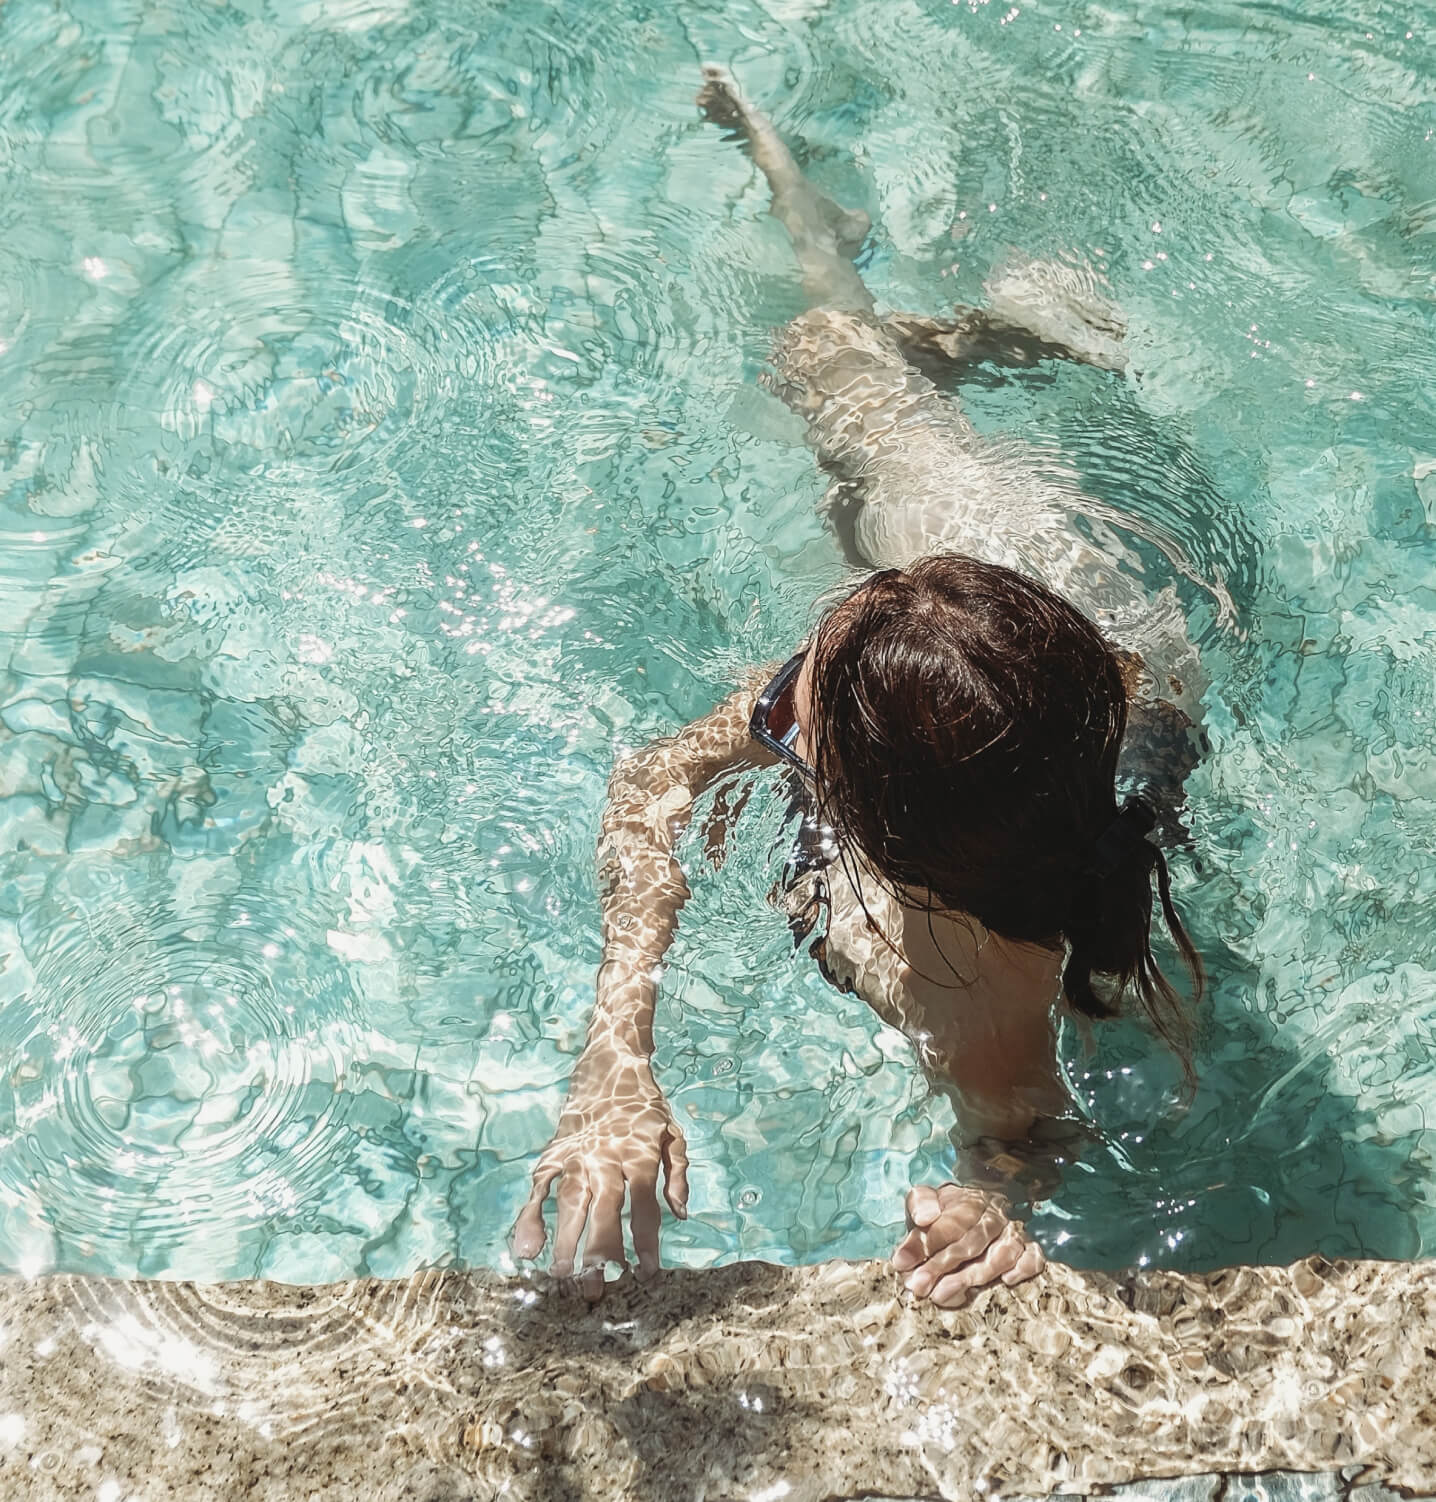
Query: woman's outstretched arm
(617,1128)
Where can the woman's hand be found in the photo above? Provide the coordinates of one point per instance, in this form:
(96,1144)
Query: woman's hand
(616,1129)
(960,1239)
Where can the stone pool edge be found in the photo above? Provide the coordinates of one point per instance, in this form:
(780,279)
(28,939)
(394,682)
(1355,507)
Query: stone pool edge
(745,1381)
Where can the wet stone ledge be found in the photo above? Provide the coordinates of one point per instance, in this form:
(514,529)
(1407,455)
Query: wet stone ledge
(744,1382)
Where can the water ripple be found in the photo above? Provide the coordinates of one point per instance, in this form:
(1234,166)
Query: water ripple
(209,1351)
(289,381)
(371,476)
(170,1069)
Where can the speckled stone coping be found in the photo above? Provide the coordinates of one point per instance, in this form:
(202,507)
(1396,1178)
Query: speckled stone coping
(745,1382)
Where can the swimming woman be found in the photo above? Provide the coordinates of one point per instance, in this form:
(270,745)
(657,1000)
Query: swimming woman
(956,722)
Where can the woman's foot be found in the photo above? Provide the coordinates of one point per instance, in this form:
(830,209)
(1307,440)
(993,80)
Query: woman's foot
(825,235)
(723,102)
(720,100)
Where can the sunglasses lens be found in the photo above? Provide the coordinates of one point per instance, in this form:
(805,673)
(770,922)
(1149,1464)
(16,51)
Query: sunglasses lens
(783,716)
(775,720)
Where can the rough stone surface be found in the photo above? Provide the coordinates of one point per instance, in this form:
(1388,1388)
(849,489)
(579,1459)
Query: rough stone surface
(749,1381)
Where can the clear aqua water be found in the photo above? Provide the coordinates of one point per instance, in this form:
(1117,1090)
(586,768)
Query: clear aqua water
(380,453)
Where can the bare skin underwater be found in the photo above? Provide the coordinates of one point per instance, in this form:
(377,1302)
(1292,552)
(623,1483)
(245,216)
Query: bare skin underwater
(911,477)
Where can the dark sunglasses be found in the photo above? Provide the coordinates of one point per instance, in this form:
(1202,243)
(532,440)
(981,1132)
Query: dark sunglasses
(775,715)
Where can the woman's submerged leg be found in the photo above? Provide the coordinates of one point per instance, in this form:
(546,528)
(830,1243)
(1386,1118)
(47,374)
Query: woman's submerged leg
(825,235)
(865,385)
(1036,310)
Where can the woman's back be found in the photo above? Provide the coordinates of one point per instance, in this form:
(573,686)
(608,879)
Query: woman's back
(976,1008)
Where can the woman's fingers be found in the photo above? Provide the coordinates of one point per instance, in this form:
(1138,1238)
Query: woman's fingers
(952,1241)
(969,1228)
(911,1250)
(972,1243)
(922,1205)
(604,1242)
(573,1199)
(1029,1264)
(926,1202)
(529,1232)
(954,1238)
(591,1189)
(644,1216)
(675,1172)
(1001,1258)
(940,1214)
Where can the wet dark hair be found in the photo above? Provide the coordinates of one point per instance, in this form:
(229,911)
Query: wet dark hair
(966,723)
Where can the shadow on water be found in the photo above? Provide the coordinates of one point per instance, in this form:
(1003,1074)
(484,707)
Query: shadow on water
(1285,1148)
(1280,1153)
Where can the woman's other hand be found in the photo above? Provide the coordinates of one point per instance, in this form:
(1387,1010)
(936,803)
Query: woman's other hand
(616,1129)
(960,1239)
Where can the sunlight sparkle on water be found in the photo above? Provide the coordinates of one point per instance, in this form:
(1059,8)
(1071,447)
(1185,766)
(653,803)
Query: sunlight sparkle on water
(393,572)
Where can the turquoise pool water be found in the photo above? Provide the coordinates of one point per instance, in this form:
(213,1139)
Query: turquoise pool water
(380,452)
